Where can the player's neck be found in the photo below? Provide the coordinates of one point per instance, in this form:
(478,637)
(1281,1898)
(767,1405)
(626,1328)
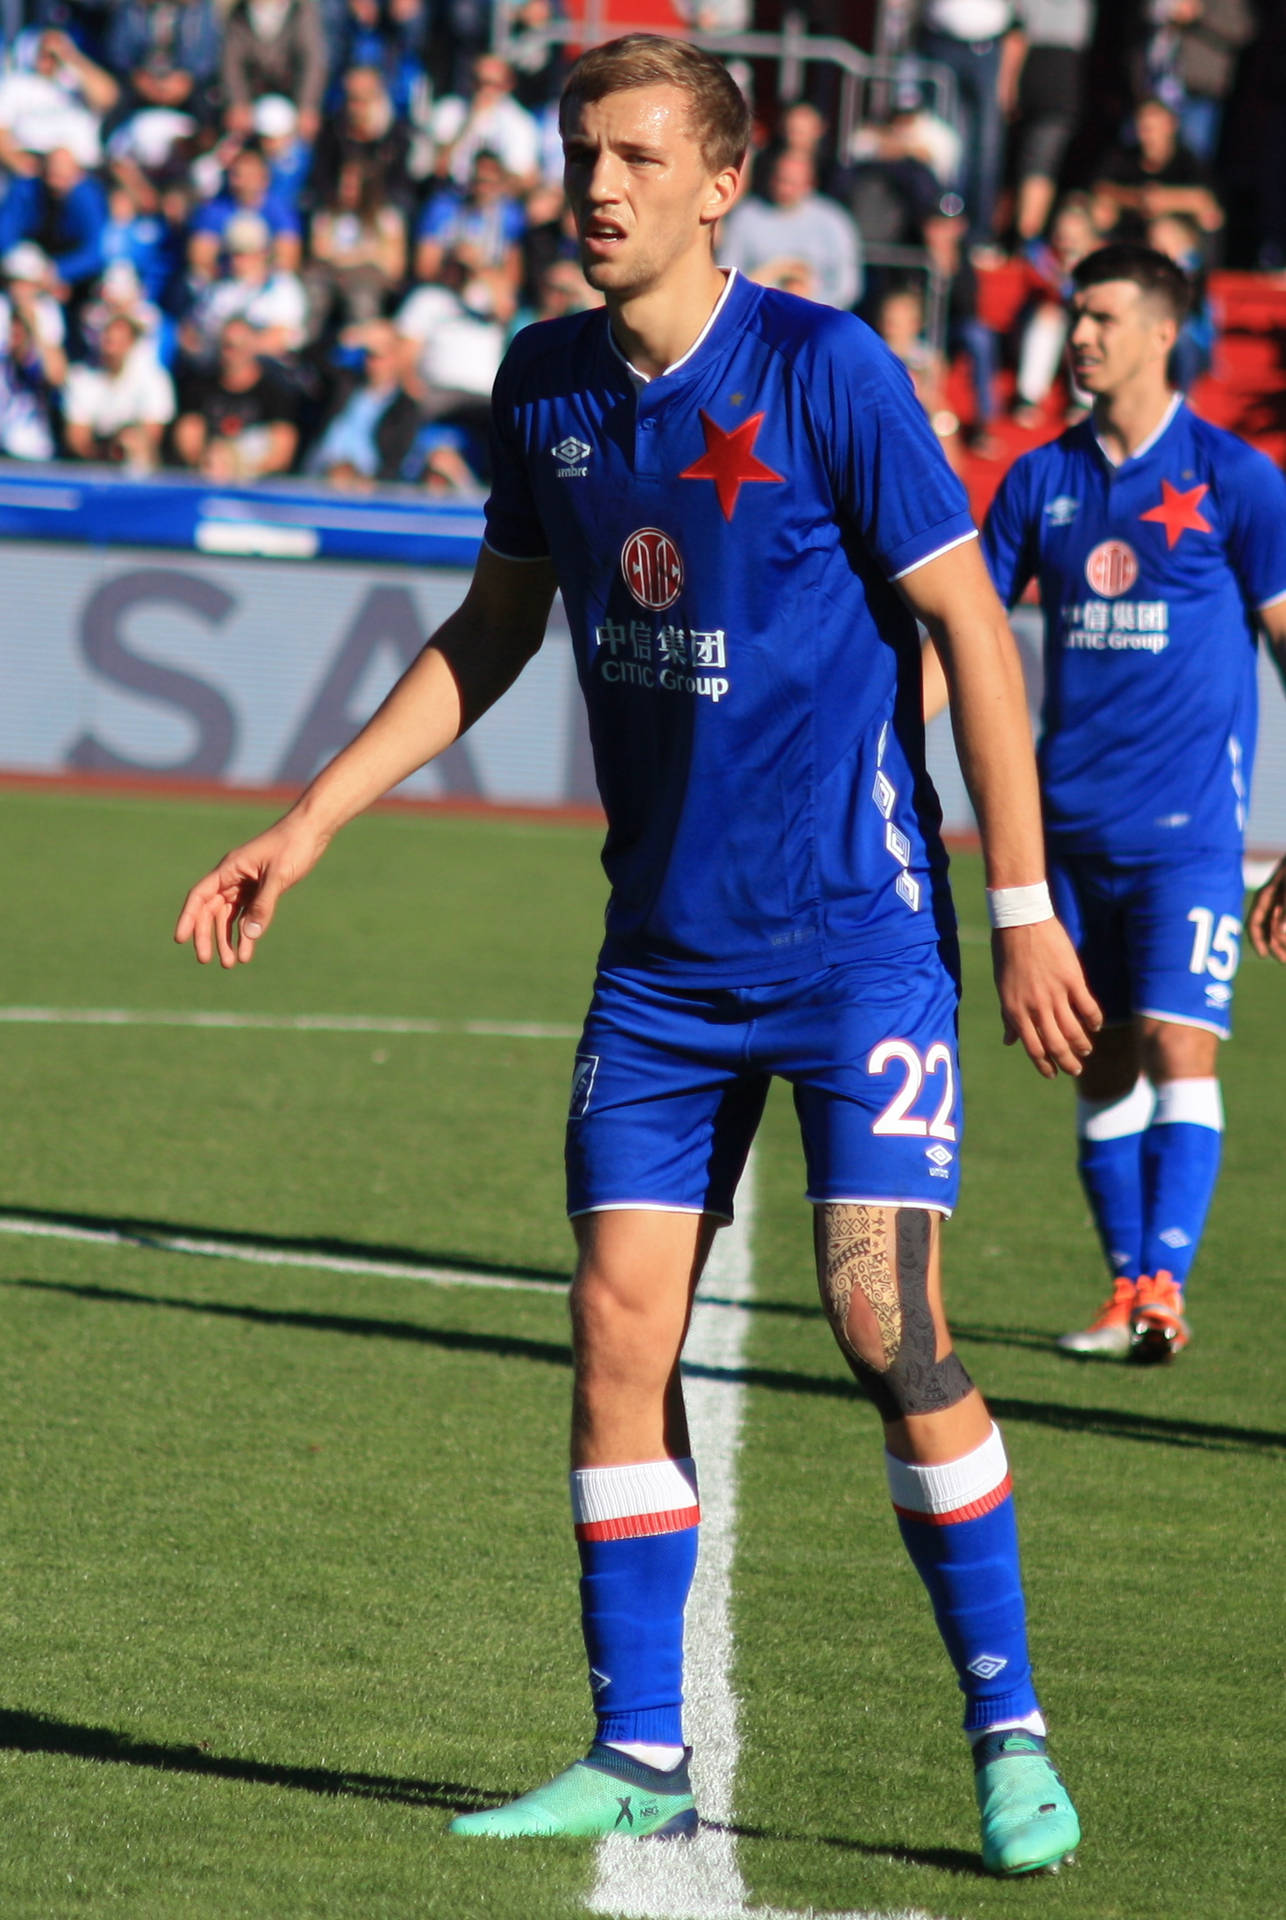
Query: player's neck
(1126,420)
(656,328)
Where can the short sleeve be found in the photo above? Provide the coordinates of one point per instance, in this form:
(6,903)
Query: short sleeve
(1006,537)
(890,475)
(513,521)
(1252,498)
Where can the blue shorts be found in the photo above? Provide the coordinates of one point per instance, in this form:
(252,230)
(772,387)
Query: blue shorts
(670,1083)
(1155,937)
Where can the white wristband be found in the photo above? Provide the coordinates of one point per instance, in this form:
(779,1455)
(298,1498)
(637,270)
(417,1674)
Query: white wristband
(1019,906)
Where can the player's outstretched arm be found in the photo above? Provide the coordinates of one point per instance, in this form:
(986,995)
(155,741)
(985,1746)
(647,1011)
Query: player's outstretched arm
(474,656)
(1045,1003)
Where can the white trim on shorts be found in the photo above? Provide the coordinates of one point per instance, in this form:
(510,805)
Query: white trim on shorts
(924,1206)
(648,1206)
(1183,1020)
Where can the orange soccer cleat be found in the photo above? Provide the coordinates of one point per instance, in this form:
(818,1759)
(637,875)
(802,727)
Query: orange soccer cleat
(1109,1336)
(1158,1329)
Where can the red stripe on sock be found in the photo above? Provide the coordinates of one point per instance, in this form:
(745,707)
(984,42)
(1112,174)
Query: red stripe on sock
(637,1526)
(974,1511)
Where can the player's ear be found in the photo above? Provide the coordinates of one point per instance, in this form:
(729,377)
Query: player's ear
(724,189)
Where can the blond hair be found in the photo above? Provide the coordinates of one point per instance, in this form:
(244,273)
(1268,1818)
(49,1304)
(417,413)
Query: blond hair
(718,112)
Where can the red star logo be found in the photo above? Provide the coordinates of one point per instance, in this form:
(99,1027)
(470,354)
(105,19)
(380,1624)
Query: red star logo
(729,459)
(1178,512)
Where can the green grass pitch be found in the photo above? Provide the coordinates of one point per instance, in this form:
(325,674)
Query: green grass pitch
(286,1567)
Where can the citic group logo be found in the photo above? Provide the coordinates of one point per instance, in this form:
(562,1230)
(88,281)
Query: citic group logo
(652,568)
(1112,568)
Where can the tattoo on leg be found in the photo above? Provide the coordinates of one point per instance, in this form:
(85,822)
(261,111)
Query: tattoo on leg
(873,1273)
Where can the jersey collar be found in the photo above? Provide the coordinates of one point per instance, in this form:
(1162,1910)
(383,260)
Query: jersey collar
(1145,447)
(640,380)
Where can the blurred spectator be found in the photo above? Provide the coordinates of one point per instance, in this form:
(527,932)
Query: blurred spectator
(1133,185)
(63,209)
(357,251)
(30,375)
(901,181)
(1179,236)
(273,47)
(28,274)
(899,319)
(913,131)
(365,132)
(144,240)
(1046,317)
(120,292)
(561,289)
(450,353)
(239,421)
(538,61)
(482,228)
(53,95)
(389,35)
(275,125)
(248,189)
(1188,58)
(795,227)
(118,409)
(490,119)
(459,31)
(374,428)
(272,303)
(1051,53)
(968,36)
(167,54)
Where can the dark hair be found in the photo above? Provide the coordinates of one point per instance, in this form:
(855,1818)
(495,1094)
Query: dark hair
(719,115)
(1154,274)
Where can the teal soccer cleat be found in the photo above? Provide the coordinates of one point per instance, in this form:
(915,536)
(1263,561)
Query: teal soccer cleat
(606,1792)
(1028,1821)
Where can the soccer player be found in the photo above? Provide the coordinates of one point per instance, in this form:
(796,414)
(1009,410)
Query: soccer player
(744,507)
(1159,545)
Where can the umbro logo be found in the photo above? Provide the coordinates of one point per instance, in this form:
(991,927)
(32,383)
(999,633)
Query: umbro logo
(1062,511)
(940,1156)
(572,456)
(987,1666)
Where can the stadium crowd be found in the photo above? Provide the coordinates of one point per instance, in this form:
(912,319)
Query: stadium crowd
(256,237)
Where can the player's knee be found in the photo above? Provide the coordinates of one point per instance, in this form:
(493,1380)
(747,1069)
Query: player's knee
(873,1269)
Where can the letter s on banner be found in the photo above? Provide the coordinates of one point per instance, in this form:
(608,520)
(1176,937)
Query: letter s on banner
(108,655)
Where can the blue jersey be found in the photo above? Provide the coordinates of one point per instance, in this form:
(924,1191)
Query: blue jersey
(725,537)
(1150,576)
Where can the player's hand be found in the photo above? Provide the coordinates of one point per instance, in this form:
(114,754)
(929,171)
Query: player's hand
(1266,921)
(229,911)
(1046,1005)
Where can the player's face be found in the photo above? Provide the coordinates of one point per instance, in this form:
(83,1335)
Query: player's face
(1118,336)
(643,196)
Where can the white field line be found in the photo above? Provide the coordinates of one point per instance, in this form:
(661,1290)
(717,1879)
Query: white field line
(281,1022)
(700,1879)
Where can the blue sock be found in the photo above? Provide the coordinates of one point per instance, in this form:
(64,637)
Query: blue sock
(1109,1158)
(1181,1153)
(636,1531)
(957,1521)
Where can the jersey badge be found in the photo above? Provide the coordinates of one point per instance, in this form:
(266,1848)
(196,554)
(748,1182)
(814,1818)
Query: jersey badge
(1179,513)
(652,568)
(1062,511)
(1112,568)
(730,460)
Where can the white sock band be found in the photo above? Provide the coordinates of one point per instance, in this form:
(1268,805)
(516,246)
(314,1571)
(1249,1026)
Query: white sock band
(1115,1119)
(1199,1103)
(625,1503)
(954,1489)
